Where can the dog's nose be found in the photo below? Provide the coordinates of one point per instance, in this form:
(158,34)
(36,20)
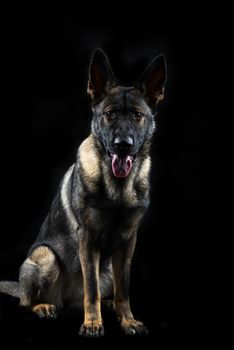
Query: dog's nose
(123,144)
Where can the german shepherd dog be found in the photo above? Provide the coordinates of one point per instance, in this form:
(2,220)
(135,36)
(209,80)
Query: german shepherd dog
(84,248)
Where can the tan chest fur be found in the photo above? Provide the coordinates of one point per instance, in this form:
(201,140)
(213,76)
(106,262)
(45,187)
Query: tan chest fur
(94,167)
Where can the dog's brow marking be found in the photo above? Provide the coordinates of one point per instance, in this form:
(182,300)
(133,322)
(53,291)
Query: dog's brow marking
(66,202)
(111,107)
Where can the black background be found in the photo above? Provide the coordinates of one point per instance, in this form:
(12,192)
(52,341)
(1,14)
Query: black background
(45,58)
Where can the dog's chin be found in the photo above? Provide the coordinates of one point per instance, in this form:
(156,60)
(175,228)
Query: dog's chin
(121,165)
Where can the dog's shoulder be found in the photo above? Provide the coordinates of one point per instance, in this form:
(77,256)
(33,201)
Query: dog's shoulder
(89,163)
(89,159)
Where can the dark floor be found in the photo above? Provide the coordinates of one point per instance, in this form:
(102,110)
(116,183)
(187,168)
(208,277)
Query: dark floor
(21,329)
(172,324)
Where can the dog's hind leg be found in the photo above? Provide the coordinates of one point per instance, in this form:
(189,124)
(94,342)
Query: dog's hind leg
(40,286)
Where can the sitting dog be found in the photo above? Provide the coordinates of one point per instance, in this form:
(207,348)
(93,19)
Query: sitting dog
(84,249)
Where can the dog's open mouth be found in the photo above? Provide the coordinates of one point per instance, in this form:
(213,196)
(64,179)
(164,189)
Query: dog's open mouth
(121,165)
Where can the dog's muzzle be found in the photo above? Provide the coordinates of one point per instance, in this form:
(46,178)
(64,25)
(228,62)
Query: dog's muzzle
(123,145)
(121,158)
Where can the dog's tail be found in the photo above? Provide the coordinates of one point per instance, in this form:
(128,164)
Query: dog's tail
(10,287)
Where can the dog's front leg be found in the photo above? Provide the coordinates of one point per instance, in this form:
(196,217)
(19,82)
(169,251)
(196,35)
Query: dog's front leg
(121,261)
(89,258)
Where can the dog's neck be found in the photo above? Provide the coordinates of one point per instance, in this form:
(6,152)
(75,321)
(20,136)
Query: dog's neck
(96,167)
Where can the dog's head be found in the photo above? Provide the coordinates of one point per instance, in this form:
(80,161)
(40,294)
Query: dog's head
(123,117)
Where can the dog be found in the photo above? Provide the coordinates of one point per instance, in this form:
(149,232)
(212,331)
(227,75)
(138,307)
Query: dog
(84,248)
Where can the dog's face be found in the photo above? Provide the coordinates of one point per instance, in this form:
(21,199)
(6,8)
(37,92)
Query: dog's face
(123,117)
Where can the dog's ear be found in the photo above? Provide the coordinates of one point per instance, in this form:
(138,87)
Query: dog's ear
(153,80)
(100,75)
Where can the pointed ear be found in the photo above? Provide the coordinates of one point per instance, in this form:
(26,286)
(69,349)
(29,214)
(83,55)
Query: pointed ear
(153,80)
(100,75)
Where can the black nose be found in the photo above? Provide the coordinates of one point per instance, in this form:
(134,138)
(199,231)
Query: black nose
(123,144)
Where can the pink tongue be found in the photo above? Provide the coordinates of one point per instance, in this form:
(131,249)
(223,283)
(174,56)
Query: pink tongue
(121,166)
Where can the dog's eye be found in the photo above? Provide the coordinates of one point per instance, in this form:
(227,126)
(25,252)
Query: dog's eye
(109,114)
(138,116)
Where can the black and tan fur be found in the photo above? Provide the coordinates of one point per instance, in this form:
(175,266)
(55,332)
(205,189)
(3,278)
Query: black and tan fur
(85,246)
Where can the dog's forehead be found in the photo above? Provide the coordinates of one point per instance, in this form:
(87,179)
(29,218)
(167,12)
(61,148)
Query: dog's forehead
(124,97)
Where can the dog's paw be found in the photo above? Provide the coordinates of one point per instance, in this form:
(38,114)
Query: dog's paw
(92,329)
(133,327)
(45,310)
